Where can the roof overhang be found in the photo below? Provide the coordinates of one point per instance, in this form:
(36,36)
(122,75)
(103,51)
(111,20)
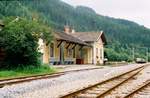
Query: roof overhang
(72,42)
(69,39)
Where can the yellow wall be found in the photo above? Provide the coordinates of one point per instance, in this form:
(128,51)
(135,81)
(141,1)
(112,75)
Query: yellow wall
(66,54)
(85,55)
(46,52)
(65,50)
(56,50)
(89,53)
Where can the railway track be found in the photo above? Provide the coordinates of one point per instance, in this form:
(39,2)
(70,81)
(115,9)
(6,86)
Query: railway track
(4,82)
(103,88)
(134,86)
(141,92)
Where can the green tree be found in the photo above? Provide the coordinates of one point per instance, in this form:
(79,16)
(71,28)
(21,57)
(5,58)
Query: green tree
(19,38)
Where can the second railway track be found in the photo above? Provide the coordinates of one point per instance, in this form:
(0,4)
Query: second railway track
(103,88)
(143,91)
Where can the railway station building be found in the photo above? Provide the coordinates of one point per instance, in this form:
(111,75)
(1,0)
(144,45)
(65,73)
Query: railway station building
(70,47)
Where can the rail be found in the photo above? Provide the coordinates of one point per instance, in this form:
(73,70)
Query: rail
(98,90)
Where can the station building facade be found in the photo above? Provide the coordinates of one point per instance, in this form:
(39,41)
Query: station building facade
(70,47)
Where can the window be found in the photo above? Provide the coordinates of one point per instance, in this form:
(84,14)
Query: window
(96,51)
(52,50)
(100,53)
(81,53)
(69,52)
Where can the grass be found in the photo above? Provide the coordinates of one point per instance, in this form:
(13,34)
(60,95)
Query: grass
(26,71)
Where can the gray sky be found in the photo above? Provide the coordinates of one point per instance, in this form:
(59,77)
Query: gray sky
(134,10)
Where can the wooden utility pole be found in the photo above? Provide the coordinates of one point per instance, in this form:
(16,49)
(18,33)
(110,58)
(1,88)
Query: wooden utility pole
(147,54)
(133,54)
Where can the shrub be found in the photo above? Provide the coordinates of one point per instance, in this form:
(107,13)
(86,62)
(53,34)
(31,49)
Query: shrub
(19,38)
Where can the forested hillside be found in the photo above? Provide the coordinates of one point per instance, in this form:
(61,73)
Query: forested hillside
(122,35)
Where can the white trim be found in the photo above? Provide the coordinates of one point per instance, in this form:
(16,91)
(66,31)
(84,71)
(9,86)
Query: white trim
(100,35)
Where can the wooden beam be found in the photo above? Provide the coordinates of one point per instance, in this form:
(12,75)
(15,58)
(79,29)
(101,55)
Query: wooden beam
(68,45)
(59,44)
(74,46)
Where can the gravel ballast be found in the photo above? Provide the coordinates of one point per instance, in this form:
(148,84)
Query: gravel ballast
(54,87)
(131,85)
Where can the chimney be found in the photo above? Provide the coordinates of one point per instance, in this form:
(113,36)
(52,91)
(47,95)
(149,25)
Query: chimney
(67,29)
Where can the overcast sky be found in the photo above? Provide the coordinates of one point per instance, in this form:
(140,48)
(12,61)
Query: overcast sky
(134,10)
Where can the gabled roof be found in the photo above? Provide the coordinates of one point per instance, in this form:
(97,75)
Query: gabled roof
(90,36)
(69,38)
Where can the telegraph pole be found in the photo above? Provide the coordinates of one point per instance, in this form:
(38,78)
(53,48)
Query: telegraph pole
(133,54)
(147,54)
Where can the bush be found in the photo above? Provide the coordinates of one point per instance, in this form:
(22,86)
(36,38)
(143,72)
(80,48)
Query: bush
(112,55)
(19,38)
